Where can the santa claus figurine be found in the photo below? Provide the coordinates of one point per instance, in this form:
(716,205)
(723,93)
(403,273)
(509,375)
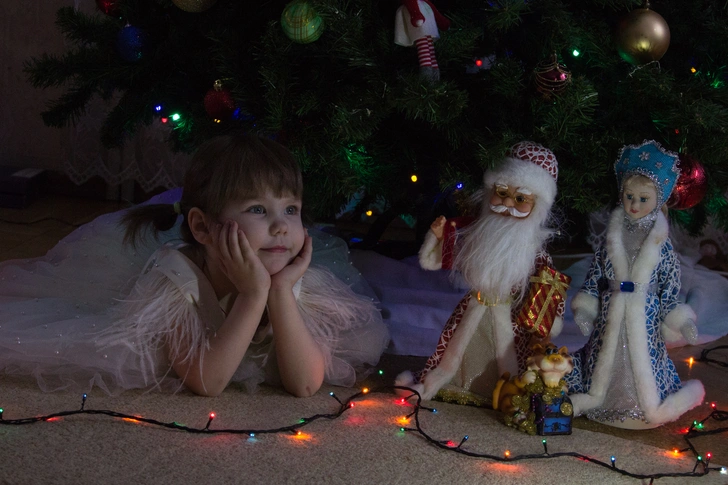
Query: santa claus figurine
(629,305)
(517,296)
(417,22)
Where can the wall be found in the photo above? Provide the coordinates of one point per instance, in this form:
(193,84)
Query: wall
(27,29)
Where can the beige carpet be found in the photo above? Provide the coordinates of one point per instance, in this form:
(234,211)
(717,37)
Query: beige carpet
(363,446)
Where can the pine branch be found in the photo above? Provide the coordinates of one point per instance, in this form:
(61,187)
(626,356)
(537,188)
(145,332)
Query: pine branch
(69,107)
(85,29)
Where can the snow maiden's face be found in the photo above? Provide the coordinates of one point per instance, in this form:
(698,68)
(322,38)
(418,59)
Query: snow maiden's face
(639,197)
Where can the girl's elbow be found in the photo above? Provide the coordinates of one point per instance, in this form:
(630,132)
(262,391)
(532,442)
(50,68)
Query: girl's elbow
(305,389)
(201,389)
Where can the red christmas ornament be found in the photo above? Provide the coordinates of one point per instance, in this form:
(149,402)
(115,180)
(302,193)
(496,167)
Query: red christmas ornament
(551,77)
(219,102)
(109,7)
(691,185)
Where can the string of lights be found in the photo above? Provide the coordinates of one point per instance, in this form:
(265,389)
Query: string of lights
(697,429)
(704,356)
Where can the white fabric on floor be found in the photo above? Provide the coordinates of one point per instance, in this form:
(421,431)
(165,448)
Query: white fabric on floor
(417,303)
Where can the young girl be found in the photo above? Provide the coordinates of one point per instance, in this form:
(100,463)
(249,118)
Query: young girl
(629,306)
(234,301)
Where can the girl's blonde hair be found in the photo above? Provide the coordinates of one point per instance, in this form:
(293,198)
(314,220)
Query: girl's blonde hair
(223,169)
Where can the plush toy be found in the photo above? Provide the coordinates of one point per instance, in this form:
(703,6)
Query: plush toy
(629,305)
(501,256)
(417,22)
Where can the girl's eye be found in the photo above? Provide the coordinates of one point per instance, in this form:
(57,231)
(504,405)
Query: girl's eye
(643,199)
(629,196)
(257,209)
(291,210)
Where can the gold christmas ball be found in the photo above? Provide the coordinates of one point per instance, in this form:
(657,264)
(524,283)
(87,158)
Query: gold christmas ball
(642,36)
(194,6)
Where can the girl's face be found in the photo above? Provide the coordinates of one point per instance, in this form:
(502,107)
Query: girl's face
(639,197)
(272,226)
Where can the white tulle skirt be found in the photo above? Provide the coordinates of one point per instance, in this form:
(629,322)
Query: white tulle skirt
(56,311)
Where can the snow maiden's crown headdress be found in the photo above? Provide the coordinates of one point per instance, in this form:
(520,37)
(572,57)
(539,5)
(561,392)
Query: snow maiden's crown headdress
(652,161)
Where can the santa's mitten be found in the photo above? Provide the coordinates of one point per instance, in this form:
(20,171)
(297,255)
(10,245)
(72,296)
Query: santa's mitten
(416,17)
(680,323)
(443,23)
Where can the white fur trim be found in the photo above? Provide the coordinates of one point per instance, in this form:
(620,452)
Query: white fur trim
(586,305)
(670,335)
(557,327)
(677,404)
(407,379)
(453,355)
(519,173)
(505,344)
(430,254)
(679,316)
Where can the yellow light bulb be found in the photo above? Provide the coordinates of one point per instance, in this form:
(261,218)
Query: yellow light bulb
(369,213)
(413,178)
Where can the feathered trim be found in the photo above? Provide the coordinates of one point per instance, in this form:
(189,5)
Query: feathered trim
(674,321)
(160,321)
(330,309)
(430,254)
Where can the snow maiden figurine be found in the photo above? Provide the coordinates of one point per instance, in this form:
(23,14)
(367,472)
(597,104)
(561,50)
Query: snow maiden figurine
(629,306)
(516,294)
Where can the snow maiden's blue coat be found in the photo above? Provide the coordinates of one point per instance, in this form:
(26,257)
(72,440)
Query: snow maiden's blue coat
(651,318)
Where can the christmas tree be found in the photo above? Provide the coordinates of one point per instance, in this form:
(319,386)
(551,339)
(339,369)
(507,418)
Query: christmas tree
(372,128)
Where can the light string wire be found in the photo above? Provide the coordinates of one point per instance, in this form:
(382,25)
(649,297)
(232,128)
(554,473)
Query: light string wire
(704,356)
(693,431)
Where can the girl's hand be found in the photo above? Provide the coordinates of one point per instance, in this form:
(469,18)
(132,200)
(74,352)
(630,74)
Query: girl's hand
(238,261)
(288,276)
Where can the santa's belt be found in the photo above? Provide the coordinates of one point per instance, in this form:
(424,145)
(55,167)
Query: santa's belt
(487,302)
(632,287)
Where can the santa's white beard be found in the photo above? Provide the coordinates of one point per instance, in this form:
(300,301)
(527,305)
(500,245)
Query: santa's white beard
(496,253)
